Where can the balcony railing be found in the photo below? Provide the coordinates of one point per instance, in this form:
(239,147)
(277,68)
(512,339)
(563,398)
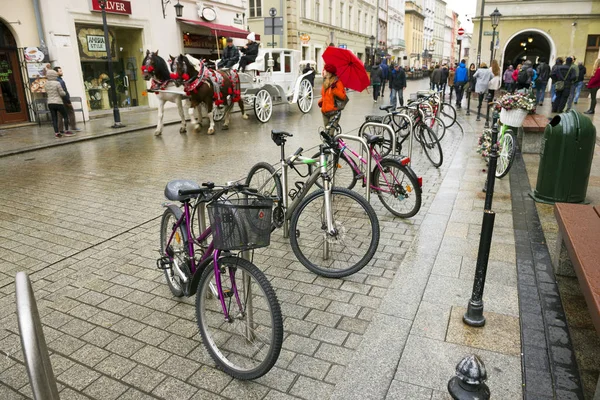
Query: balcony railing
(398,43)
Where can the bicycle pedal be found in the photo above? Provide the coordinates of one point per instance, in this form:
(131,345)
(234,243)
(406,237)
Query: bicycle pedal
(164,263)
(227,293)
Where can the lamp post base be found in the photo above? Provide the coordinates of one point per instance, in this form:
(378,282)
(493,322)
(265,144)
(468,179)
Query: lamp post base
(474,315)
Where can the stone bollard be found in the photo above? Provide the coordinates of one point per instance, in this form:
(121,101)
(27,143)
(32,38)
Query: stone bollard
(469,382)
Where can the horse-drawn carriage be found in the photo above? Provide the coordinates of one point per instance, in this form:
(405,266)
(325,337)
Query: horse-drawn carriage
(275,77)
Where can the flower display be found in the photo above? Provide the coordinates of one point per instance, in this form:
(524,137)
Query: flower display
(518,100)
(485,143)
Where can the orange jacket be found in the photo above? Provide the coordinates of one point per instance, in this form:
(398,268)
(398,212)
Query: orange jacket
(326,102)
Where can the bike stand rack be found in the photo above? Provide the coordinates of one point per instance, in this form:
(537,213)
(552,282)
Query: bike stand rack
(392,132)
(365,149)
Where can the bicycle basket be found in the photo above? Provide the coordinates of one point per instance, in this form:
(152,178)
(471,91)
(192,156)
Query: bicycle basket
(241,224)
(514,117)
(374,118)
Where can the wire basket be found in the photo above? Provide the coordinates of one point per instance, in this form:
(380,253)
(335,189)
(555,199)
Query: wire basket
(374,118)
(514,117)
(241,224)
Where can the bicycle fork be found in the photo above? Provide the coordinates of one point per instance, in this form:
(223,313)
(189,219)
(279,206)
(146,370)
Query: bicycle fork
(328,211)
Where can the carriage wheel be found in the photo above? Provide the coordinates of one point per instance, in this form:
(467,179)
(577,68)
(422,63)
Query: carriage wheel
(218,113)
(263,105)
(305,97)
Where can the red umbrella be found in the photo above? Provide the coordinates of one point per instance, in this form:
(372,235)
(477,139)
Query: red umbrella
(350,70)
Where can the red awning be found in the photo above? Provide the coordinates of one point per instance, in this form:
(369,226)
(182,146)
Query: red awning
(219,30)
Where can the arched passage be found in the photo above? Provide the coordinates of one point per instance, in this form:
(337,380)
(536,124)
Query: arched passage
(528,44)
(13,106)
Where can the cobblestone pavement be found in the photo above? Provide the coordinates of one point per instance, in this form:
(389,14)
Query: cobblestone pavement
(83,221)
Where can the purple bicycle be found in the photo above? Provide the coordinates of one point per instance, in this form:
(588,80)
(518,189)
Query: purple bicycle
(237,312)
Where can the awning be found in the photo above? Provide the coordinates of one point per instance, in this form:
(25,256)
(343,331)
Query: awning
(217,29)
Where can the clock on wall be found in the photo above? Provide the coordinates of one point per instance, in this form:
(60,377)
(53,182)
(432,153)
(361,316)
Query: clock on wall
(209,14)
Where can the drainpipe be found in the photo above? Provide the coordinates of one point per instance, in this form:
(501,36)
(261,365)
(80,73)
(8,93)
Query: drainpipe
(40,29)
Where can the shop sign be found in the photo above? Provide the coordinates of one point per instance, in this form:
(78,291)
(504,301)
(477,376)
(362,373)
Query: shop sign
(113,6)
(37,64)
(199,42)
(96,43)
(305,38)
(343,46)
(238,21)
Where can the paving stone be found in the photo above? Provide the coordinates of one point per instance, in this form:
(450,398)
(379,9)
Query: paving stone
(105,388)
(124,346)
(244,389)
(178,345)
(143,378)
(307,388)
(345,309)
(150,356)
(431,321)
(302,328)
(210,379)
(329,335)
(353,325)
(78,376)
(314,302)
(300,344)
(323,318)
(66,344)
(278,379)
(405,391)
(174,388)
(90,355)
(309,366)
(15,376)
(334,354)
(115,366)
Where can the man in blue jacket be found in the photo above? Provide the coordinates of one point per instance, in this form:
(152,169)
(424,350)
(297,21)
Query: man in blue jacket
(385,74)
(461,77)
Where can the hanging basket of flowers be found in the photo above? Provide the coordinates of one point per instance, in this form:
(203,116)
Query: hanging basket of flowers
(515,108)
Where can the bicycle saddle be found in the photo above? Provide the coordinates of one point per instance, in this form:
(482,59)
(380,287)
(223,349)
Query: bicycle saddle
(373,139)
(279,136)
(386,108)
(173,187)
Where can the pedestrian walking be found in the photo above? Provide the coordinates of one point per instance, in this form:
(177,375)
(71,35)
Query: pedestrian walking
(525,76)
(559,61)
(333,95)
(574,85)
(515,77)
(445,74)
(376,79)
(543,75)
(385,72)
(436,77)
(594,85)
(564,76)
(311,78)
(397,85)
(250,51)
(496,81)
(431,84)
(67,103)
(579,83)
(55,94)
(508,79)
(461,78)
(482,77)
(471,87)
(231,55)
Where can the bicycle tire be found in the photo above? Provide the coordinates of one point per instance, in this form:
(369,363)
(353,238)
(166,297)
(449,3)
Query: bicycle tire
(448,114)
(263,178)
(431,145)
(385,147)
(437,126)
(226,341)
(506,154)
(344,174)
(181,253)
(398,186)
(307,233)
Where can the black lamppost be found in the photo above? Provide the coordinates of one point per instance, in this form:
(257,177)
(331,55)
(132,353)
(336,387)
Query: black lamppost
(372,41)
(111,76)
(178,8)
(495,16)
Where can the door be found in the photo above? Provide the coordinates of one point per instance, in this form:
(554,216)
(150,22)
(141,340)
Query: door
(13,107)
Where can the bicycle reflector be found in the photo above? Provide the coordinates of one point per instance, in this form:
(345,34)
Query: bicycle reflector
(405,161)
(420,180)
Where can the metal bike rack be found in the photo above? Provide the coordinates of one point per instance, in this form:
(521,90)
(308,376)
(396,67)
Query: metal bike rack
(365,148)
(35,352)
(394,135)
(382,126)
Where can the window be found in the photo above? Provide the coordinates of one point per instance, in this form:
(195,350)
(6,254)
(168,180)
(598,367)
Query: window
(342,21)
(593,41)
(255,8)
(349,17)
(358,27)
(330,12)
(318,11)
(304,8)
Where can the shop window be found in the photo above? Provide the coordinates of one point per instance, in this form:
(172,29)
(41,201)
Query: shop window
(593,42)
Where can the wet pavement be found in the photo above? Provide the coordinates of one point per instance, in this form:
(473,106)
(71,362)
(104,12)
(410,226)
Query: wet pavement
(83,221)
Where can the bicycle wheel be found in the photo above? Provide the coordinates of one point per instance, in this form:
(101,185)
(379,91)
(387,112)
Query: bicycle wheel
(263,178)
(397,188)
(344,173)
(506,155)
(247,345)
(354,242)
(437,126)
(385,147)
(178,247)
(431,145)
(447,114)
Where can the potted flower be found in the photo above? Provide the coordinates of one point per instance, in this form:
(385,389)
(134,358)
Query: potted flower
(515,107)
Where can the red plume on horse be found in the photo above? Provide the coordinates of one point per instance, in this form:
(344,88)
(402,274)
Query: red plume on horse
(207,87)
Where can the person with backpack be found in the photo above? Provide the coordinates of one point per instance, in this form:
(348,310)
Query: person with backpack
(436,77)
(579,83)
(461,77)
(574,85)
(508,79)
(594,85)
(376,81)
(482,77)
(543,74)
(385,72)
(397,85)
(445,74)
(564,76)
(525,76)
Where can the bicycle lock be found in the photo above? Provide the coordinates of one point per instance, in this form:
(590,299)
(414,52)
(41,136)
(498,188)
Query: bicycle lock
(474,315)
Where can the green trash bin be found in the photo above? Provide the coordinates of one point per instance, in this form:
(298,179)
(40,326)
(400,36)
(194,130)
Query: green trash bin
(566,156)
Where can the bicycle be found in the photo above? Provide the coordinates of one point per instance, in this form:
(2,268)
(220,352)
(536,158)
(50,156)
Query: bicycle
(421,130)
(445,111)
(392,179)
(233,289)
(333,231)
(507,145)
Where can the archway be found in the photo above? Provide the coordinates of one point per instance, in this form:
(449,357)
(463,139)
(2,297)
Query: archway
(13,106)
(528,44)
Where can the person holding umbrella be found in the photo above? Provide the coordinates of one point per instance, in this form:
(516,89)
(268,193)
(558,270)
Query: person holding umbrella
(332,92)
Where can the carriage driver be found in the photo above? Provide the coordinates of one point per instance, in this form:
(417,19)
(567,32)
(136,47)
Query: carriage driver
(250,51)
(231,55)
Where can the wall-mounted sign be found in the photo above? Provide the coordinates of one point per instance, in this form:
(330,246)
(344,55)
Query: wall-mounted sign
(199,42)
(238,21)
(208,13)
(96,43)
(113,6)
(305,38)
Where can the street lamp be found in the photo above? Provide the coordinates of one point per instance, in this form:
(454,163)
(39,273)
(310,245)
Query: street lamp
(111,75)
(495,16)
(178,8)
(372,41)
(530,38)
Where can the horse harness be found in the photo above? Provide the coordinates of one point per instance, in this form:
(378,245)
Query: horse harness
(191,85)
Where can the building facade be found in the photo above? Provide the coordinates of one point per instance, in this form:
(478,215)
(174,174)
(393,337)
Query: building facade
(448,53)
(428,28)
(438,31)
(396,41)
(73,33)
(414,23)
(539,28)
